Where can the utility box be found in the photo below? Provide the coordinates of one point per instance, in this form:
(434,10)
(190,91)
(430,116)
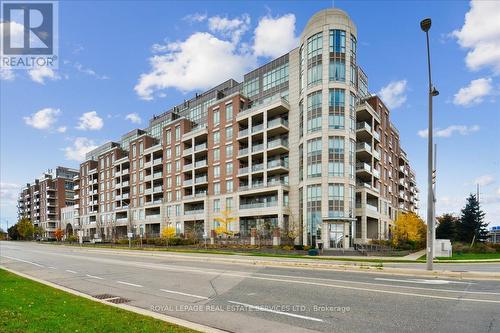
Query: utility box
(442,248)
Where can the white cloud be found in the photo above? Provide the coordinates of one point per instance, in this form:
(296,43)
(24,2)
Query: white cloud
(474,92)
(196,17)
(88,71)
(481,34)
(134,118)
(90,121)
(80,147)
(484,180)
(9,193)
(62,129)
(233,28)
(449,131)
(275,36)
(39,74)
(7,74)
(394,94)
(199,62)
(42,119)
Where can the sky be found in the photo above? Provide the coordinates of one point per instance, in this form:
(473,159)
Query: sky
(123,62)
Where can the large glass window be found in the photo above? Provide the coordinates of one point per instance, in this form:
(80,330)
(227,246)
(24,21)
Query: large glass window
(314,111)
(314,61)
(336,156)
(352,113)
(301,118)
(275,77)
(337,41)
(313,213)
(353,48)
(336,108)
(314,158)
(337,70)
(251,87)
(335,200)
(229,112)
(216,117)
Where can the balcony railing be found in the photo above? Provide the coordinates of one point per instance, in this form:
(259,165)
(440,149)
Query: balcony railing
(259,205)
(199,180)
(257,167)
(276,143)
(243,132)
(199,164)
(257,128)
(157,175)
(157,189)
(363,126)
(200,147)
(360,166)
(188,151)
(277,163)
(193,211)
(243,171)
(277,122)
(257,148)
(243,151)
(157,161)
(363,146)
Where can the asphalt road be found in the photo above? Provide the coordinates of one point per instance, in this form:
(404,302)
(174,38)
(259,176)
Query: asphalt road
(246,298)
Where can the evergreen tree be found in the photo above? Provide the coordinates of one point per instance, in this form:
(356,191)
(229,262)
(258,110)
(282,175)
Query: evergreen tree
(447,228)
(472,222)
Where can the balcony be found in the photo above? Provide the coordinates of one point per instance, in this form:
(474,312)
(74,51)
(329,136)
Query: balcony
(153,217)
(148,191)
(157,161)
(187,182)
(187,151)
(147,165)
(259,205)
(125,196)
(257,167)
(376,173)
(200,164)
(157,175)
(148,178)
(242,133)
(277,122)
(360,146)
(277,164)
(194,212)
(363,126)
(258,148)
(243,152)
(363,167)
(257,128)
(376,136)
(76,187)
(187,167)
(276,181)
(158,189)
(278,143)
(243,171)
(125,172)
(201,147)
(376,154)
(201,180)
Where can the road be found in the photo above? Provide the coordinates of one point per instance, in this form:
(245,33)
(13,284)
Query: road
(249,298)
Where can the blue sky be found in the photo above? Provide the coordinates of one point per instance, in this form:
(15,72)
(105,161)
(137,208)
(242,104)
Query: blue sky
(105,47)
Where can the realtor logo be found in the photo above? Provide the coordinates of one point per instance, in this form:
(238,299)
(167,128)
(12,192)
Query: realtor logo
(29,34)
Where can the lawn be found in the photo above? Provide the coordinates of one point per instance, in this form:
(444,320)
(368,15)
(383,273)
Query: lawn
(28,306)
(472,256)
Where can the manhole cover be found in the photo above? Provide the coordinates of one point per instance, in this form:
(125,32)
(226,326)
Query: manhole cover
(104,296)
(118,300)
(112,298)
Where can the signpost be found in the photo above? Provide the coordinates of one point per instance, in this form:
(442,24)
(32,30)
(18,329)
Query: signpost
(130,235)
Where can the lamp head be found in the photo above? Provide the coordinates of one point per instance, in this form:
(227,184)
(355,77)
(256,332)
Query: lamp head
(425,24)
(434,92)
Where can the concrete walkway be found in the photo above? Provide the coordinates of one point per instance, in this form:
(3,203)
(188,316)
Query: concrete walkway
(414,255)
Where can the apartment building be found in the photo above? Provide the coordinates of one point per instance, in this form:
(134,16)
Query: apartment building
(299,143)
(42,200)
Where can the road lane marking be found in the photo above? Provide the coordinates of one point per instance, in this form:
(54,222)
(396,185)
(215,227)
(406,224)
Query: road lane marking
(25,261)
(422,281)
(185,294)
(70,271)
(277,312)
(94,277)
(52,267)
(130,284)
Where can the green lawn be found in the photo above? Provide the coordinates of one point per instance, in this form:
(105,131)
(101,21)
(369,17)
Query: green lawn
(28,306)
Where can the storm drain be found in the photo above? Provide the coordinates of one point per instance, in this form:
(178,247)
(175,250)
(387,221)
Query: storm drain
(112,298)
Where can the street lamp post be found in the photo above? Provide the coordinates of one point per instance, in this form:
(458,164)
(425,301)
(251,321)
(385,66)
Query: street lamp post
(425,25)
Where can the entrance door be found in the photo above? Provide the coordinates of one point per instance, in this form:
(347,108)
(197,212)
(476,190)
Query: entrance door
(336,235)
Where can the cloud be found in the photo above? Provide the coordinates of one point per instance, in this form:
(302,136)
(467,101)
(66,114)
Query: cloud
(481,35)
(449,131)
(275,36)
(39,74)
(80,147)
(394,94)
(233,28)
(90,121)
(61,129)
(88,71)
(196,17)
(199,62)
(474,92)
(484,180)
(7,74)
(134,118)
(42,119)
(9,193)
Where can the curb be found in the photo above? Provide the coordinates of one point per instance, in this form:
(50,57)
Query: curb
(144,312)
(351,268)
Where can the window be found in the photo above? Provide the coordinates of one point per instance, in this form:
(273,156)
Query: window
(353,48)
(169,181)
(178,180)
(251,87)
(229,204)
(336,70)
(229,186)
(168,153)
(352,159)
(229,133)
(337,41)
(216,154)
(301,162)
(169,167)
(275,77)
(217,188)
(314,112)
(314,61)
(229,112)
(352,113)
(177,133)
(177,150)
(133,151)
(336,156)
(216,137)
(336,108)
(216,117)
(229,151)
(217,205)
(301,118)
(216,171)
(141,148)
(168,137)
(335,200)
(229,169)
(314,212)
(314,158)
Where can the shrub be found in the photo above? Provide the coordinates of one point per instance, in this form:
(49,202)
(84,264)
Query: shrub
(72,239)
(287,247)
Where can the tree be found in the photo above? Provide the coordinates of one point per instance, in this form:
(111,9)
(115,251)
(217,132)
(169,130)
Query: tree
(472,226)
(168,233)
(224,222)
(447,228)
(409,228)
(13,233)
(59,234)
(25,228)
(38,232)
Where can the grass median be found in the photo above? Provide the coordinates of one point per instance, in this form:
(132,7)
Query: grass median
(29,306)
